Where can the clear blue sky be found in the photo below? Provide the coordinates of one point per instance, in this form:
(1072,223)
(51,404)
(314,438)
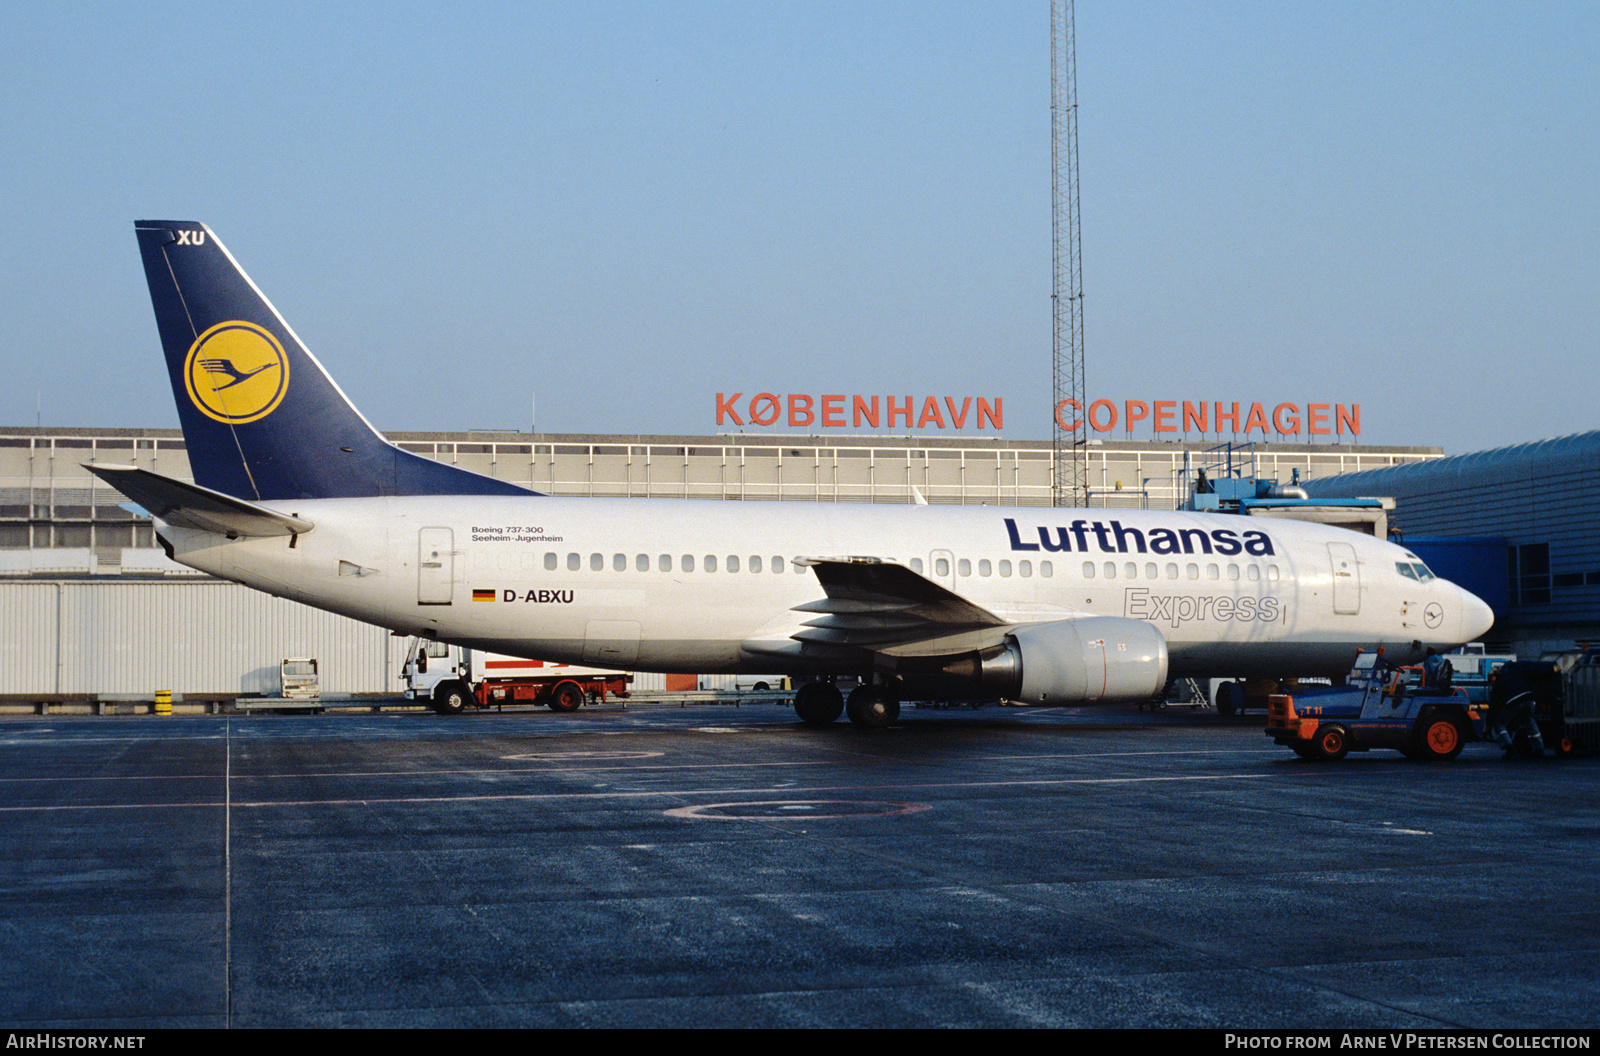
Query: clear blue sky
(628,208)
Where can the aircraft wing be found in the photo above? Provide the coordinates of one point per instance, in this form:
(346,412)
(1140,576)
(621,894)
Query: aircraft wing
(191,506)
(890,609)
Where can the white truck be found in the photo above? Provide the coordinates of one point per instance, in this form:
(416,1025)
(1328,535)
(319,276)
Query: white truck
(297,679)
(453,678)
(1474,669)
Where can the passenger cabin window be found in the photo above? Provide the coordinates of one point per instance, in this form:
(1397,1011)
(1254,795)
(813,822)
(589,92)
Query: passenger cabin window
(916,565)
(550,562)
(1047,569)
(596,562)
(1088,570)
(941,566)
(619,562)
(755,562)
(777,564)
(1005,569)
(574,562)
(1025,569)
(733,563)
(642,562)
(984,567)
(964,566)
(664,563)
(687,564)
(711,563)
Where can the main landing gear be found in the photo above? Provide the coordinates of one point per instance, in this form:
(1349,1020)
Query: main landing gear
(819,703)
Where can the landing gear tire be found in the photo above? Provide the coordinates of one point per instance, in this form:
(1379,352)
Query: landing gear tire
(1333,742)
(818,703)
(1438,737)
(872,706)
(567,696)
(451,698)
(1230,698)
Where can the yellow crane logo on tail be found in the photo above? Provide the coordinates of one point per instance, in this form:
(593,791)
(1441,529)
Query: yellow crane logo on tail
(236,373)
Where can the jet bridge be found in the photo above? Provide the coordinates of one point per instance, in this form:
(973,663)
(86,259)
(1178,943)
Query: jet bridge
(1223,479)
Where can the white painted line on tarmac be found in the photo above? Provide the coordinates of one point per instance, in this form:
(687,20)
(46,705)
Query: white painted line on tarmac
(461,772)
(514,797)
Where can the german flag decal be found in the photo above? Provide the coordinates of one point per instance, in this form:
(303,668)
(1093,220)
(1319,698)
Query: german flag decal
(483,595)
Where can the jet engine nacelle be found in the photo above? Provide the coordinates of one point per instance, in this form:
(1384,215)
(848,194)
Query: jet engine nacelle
(1085,661)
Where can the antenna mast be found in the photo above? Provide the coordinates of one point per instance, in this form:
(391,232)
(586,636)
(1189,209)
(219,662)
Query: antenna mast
(1071,478)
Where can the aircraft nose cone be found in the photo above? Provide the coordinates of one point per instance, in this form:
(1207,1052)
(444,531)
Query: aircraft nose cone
(1476,617)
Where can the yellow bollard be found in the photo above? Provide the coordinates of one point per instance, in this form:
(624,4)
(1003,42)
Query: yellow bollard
(163,702)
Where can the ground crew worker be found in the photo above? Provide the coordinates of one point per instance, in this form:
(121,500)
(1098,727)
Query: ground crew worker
(1511,702)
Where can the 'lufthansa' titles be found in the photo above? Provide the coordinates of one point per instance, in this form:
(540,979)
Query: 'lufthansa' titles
(1111,537)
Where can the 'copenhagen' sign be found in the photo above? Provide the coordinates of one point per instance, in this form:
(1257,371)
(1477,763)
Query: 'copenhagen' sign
(1184,416)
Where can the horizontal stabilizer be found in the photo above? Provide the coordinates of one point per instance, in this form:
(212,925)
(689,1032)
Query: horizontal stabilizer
(191,506)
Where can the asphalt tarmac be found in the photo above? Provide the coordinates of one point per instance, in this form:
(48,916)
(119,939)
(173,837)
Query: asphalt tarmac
(718,866)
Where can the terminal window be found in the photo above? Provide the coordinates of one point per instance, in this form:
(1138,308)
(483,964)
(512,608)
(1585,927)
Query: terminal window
(1530,574)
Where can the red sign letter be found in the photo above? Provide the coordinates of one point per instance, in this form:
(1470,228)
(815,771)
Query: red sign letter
(772,403)
(1066,427)
(726,407)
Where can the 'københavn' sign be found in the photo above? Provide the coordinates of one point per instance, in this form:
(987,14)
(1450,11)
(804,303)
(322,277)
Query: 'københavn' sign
(1161,417)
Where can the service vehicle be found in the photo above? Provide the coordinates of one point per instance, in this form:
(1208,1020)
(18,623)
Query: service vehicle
(1381,706)
(760,683)
(453,678)
(297,679)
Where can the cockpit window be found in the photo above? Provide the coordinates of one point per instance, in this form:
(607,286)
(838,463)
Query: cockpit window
(1423,575)
(1405,569)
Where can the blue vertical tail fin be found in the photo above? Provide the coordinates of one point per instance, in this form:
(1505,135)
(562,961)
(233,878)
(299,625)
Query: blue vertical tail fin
(261,418)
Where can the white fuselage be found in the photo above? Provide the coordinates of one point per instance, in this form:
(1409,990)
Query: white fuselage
(680,585)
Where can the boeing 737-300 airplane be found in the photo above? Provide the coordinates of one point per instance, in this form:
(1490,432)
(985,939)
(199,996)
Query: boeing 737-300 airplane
(296,494)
